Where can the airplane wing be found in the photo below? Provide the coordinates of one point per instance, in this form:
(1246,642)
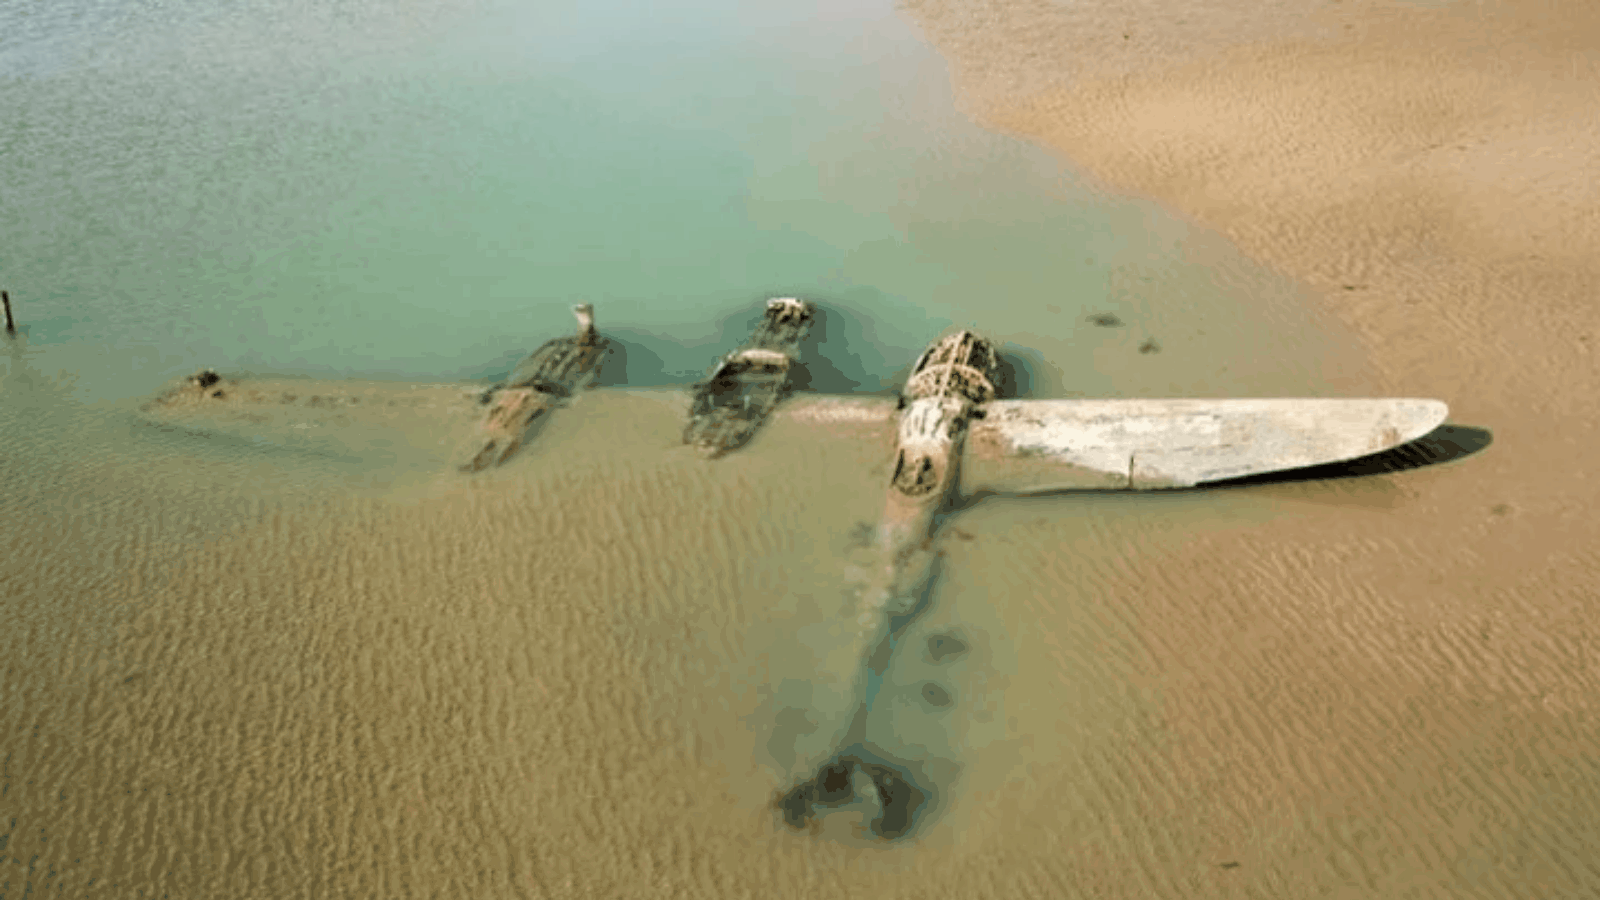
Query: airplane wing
(353,418)
(840,411)
(1144,444)
(323,417)
(1018,445)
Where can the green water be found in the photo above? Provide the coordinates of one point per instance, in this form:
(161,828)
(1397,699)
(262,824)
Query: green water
(420,188)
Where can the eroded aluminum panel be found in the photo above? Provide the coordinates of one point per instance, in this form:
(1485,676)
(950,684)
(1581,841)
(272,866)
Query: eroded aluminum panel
(1143,444)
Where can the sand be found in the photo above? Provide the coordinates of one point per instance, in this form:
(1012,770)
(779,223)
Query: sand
(244,670)
(1389,701)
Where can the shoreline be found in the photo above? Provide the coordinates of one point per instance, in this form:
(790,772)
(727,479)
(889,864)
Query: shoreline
(1450,234)
(1432,177)
(246,674)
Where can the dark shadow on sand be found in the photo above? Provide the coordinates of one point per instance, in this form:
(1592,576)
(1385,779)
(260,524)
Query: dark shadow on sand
(1445,444)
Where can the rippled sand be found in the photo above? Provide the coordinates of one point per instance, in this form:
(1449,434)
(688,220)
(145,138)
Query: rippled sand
(315,662)
(1389,692)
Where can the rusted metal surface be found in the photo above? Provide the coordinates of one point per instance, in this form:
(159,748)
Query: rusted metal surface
(822,770)
(544,381)
(952,379)
(950,431)
(948,385)
(729,406)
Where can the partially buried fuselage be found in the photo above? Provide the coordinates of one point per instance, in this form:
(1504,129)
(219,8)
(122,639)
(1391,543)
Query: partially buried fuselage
(948,385)
(543,381)
(729,406)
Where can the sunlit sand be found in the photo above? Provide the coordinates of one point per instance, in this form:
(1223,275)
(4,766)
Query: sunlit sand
(274,644)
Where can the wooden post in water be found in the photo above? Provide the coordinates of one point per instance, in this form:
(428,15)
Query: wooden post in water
(11,324)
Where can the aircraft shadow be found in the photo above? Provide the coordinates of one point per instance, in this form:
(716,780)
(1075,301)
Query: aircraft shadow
(1445,444)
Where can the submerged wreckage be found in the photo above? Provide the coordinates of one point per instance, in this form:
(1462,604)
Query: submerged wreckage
(547,379)
(947,389)
(949,386)
(950,426)
(729,406)
(949,433)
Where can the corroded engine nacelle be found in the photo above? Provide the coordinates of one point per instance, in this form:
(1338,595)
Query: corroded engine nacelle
(949,384)
(540,383)
(730,405)
(930,435)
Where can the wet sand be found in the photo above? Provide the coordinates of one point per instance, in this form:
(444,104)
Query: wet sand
(236,668)
(1391,696)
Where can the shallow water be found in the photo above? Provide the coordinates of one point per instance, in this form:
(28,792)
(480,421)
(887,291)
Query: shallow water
(418,190)
(292,663)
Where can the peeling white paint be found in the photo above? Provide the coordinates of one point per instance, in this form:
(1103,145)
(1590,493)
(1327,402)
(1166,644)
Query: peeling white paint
(1177,443)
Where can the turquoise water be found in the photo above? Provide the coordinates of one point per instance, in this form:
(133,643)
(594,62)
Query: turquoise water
(419,189)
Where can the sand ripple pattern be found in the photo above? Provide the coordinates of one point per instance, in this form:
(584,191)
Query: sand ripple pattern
(231,676)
